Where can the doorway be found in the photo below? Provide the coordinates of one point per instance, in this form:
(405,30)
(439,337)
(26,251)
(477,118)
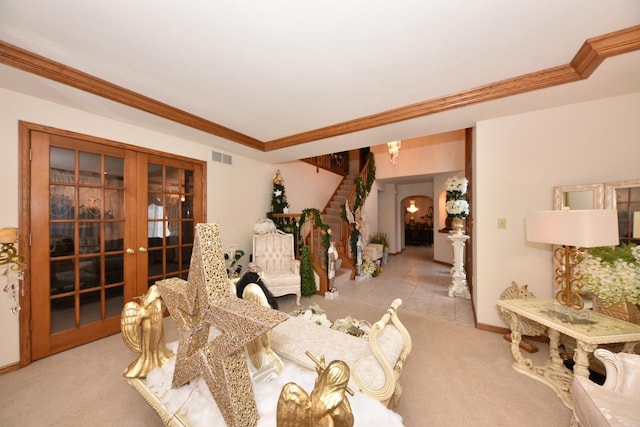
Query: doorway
(418,220)
(103,221)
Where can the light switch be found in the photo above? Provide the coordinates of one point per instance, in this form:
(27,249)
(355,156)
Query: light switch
(502,223)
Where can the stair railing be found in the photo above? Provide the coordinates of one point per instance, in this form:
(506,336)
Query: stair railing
(335,162)
(344,246)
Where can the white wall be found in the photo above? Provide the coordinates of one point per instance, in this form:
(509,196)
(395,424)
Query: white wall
(388,218)
(517,162)
(427,155)
(300,194)
(236,195)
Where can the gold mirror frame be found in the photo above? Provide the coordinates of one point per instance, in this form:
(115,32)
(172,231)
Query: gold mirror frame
(559,194)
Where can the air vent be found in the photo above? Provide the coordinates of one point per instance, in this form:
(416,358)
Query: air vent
(221,158)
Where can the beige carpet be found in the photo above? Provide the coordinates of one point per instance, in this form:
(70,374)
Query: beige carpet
(456,375)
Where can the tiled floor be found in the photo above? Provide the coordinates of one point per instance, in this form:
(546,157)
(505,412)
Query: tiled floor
(412,276)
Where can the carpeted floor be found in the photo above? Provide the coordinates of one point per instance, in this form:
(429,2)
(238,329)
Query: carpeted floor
(456,375)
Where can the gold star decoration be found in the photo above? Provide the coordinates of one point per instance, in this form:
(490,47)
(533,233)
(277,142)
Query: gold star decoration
(205,300)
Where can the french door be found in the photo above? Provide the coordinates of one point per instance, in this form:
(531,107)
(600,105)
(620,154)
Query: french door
(107,220)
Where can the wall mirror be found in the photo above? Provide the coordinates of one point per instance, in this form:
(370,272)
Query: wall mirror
(578,197)
(624,196)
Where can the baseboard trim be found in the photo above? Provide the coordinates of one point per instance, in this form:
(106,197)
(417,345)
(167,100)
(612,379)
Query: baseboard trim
(9,368)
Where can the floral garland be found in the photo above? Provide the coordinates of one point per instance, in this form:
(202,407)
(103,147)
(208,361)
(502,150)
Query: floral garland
(456,205)
(318,223)
(613,273)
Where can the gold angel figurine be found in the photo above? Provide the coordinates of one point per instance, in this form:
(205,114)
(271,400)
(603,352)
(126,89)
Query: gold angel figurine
(259,350)
(143,332)
(327,406)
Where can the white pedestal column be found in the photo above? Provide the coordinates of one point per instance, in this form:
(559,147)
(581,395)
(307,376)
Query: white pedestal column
(458,277)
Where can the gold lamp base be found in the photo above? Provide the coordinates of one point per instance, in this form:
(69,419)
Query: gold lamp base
(569,282)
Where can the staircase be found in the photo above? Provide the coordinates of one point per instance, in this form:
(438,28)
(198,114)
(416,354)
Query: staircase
(332,214)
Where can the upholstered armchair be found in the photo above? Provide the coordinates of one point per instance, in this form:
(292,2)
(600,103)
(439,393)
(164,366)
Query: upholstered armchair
(274,257)
(616,402)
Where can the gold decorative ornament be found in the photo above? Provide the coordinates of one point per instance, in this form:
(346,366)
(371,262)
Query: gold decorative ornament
(204,301)
(277,179)
(143,332)
(326,406)
(14,262)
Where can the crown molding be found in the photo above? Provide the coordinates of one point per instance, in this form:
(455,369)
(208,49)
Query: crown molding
(588,58)
(52,70)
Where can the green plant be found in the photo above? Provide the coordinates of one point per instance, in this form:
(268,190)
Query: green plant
(380,238)
(307,278)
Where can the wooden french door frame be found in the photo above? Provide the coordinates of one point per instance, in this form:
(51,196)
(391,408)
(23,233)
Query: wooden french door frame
(25,214)
(468,172)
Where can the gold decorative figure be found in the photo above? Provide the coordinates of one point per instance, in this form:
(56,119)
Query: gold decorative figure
(327,406)
(143,332)
(277,179)
(202,302)
(259,350)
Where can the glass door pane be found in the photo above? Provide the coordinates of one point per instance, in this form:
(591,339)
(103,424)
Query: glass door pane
(170,221)
(86,224)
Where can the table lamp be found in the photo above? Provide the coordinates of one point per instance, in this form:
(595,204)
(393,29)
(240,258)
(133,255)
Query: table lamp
(572,229)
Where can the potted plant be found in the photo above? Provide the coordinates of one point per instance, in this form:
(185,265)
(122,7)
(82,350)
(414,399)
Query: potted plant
(382,239)
(612,274)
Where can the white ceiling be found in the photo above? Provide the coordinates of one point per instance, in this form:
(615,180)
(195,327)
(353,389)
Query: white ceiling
(270,69)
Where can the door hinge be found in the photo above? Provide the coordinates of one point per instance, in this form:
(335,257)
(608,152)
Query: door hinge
(30,154)
(31,324)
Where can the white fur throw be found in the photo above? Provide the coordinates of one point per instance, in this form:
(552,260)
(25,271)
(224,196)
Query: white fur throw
(194,404)
(264,226)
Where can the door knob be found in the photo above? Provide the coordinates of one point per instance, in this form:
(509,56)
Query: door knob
(142,249)
(131,251)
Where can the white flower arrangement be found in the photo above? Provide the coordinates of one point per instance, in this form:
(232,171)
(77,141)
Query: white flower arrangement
(456,185)
(313,314)
(613,274)
(457,208)
(351,326)
(457,205)
(369,267)
(348,325)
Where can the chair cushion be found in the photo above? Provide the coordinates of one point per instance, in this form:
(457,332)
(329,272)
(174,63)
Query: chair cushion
(280,278)
(290,339)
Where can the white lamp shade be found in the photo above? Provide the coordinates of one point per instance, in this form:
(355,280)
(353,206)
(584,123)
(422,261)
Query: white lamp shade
(579,228)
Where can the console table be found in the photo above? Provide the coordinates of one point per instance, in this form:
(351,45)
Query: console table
(587,327)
